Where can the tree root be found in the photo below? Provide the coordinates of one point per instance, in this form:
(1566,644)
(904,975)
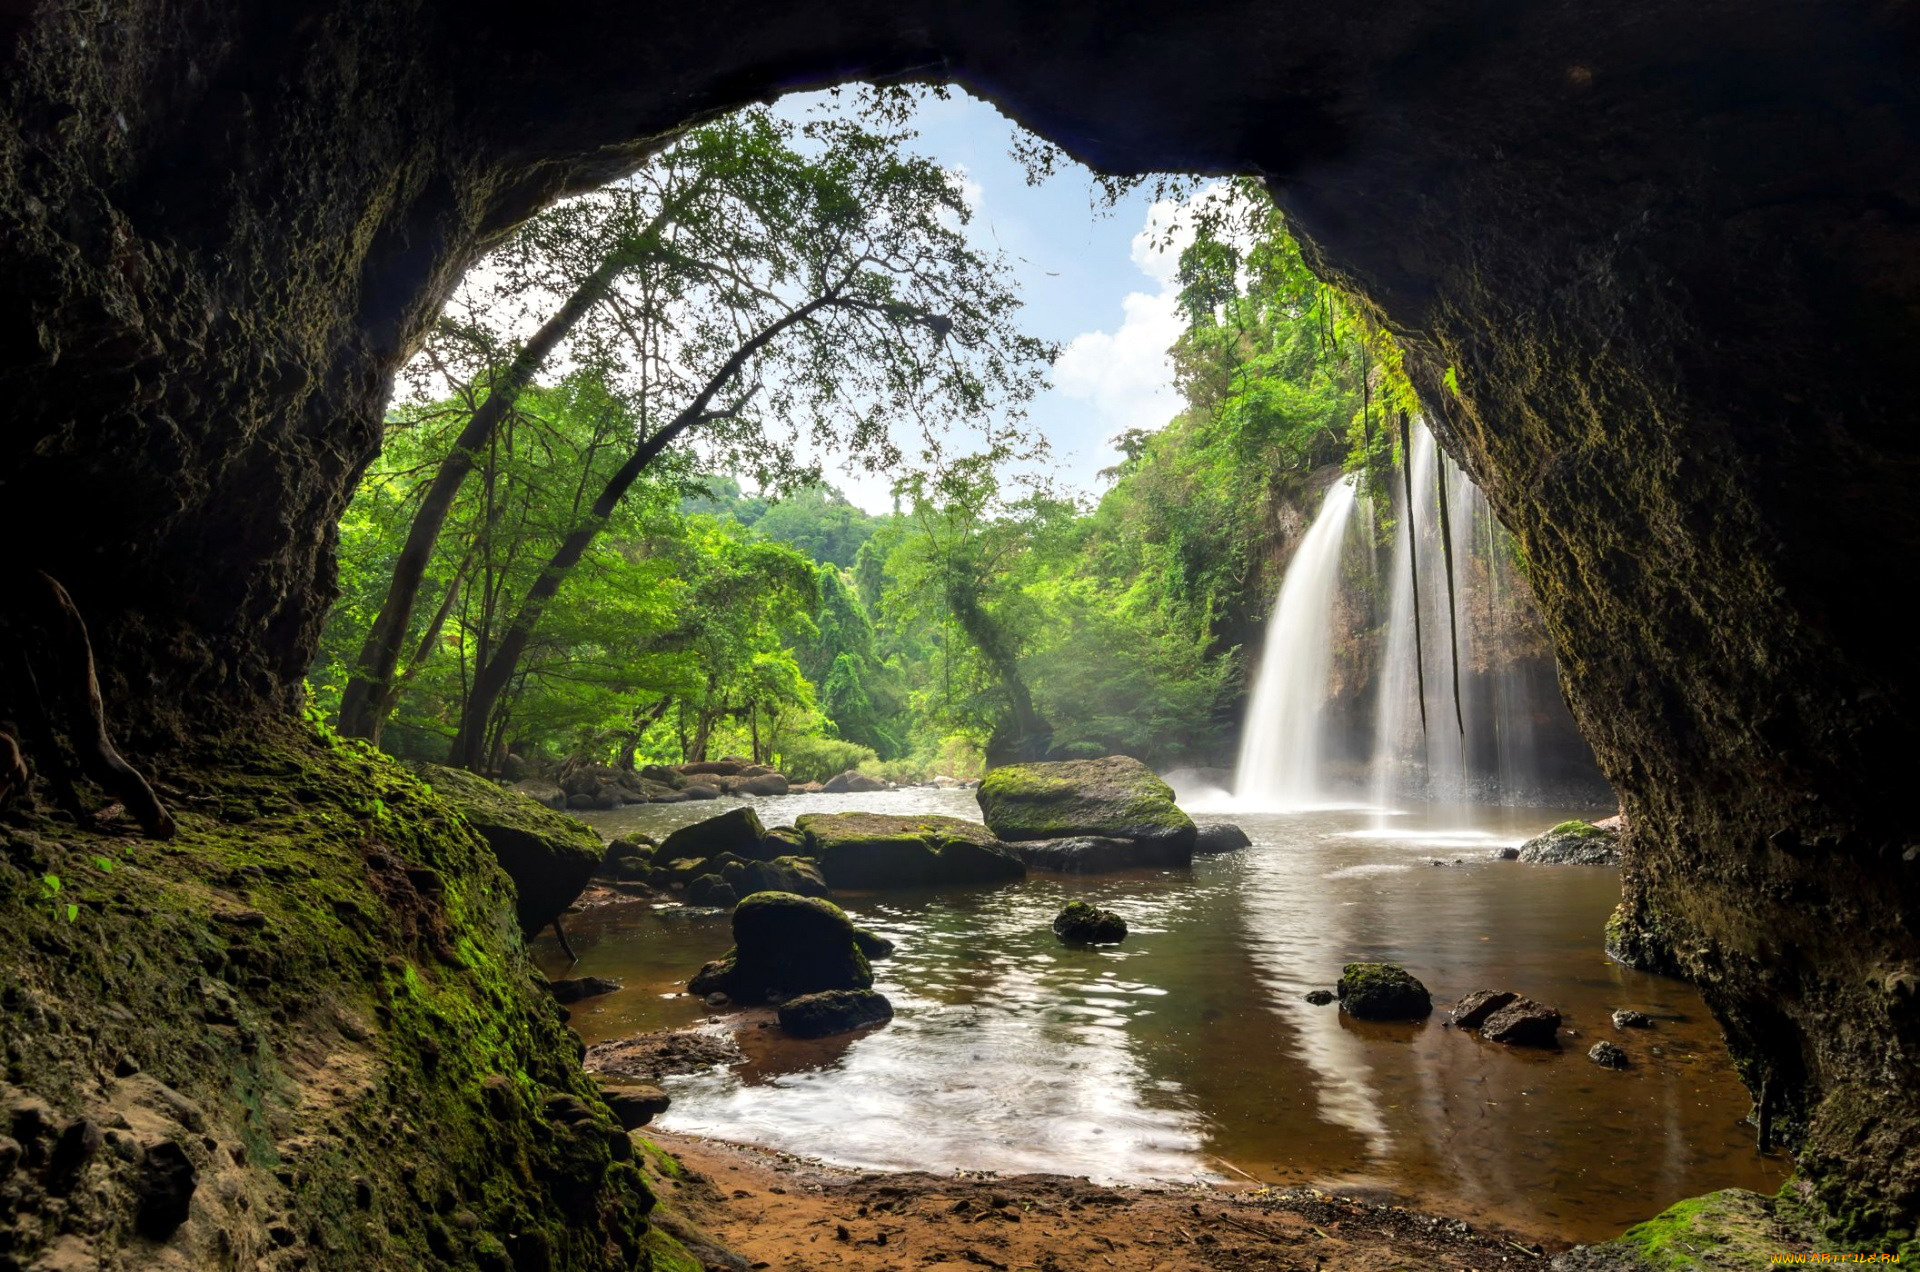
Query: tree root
(57,690)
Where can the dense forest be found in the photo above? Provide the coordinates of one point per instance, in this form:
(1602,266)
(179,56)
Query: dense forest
(598,525)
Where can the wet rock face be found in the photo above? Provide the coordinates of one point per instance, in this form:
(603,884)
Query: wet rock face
(786,944)
(1079,923)
(1668,258)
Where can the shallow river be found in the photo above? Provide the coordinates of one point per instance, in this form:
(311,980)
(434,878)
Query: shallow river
(1189,1052)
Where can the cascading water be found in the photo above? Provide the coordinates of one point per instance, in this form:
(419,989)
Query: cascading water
(1480,748)
(1508,740)
(1280,753)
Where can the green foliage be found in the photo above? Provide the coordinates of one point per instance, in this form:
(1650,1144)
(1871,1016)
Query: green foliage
(812,758)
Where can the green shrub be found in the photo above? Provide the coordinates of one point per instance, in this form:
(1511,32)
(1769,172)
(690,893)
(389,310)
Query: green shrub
(815,759)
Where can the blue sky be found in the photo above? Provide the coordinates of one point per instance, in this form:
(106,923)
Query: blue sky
(1091,281)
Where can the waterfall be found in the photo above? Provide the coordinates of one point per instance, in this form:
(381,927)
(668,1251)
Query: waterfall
(1280,753)
(1494,758)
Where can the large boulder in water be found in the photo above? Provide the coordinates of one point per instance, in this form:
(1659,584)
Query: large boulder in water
(1382,991)
(1573,843)
(1098,854)
(835,1011)
(1117,797)
(738,831)
(1219,836)
(873,850)
(1523,1023)
(783,945)
(548,855)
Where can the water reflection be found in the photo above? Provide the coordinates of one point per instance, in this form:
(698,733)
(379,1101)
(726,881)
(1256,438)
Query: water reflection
(1190,1052)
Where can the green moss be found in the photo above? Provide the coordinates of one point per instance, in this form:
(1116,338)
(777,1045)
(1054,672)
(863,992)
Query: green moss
(326,960)
(668,1255)
(1579,830)
(1116,795)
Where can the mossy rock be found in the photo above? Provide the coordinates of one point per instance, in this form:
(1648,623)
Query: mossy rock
(782,874)
(835,1011)
(738,831)
(785,944)
(1573,843)
(1382,991)
(352,915)
(873,850)
(1729,1229)
(549,856)
(1115,797)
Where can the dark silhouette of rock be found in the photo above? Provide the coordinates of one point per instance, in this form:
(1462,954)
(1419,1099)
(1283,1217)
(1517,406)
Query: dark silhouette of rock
(872,850)
(1472,1011)
(834,1011)
(1096,854)
(634,1104)
(1607,1055)
(785,944)
(1628,1018)
(573,990)
(1382,991)
(1219,836)
(1522,1023)
(1079,923)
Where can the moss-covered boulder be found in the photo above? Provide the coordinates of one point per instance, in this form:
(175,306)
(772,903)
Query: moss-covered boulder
(1730,1229)
(1116,797)
(1080,923)
(783,945)
(834,1011)
(782,874)
(873,850)
(549,856)
(315,1008)
(738,831)
(1573,843)
(1382,991)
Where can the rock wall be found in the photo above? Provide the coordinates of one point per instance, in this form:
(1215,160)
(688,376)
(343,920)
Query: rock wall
(1670,253)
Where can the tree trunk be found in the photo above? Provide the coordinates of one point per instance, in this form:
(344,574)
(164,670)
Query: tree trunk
(492,678)
(370,693)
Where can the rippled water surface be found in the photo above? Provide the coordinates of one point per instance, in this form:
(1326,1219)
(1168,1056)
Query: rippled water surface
(1189,1052)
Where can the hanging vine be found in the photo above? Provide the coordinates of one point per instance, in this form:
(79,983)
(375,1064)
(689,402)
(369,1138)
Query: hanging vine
(1453,623)
(1413,567)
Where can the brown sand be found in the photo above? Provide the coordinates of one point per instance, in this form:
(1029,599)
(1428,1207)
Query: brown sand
(791,1215)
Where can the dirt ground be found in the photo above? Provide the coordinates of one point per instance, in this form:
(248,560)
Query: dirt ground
(790,1215)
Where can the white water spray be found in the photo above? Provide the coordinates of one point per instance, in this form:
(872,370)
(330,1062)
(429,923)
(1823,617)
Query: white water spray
(1280,754)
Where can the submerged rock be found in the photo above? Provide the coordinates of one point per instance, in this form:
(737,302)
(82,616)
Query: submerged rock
(1097,854)
(1607,1055)
(1628,1018)
(872,850)
(1522,1023)
(1219,836)
(1573,843)
(1319,997)
(1079,923)
(549,856)
(573,990)
(786,944)
(738,831)
(1116,797)
(1472,1011)
(1382,991)
(835,1011)
(872,944)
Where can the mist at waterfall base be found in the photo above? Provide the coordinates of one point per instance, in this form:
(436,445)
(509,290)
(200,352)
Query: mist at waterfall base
(1353,701)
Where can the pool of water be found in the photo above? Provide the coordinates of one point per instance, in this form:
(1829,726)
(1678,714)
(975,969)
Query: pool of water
(1189,1051)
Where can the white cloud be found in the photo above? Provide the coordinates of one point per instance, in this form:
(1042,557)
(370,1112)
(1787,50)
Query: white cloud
(970,189)
(1125,373)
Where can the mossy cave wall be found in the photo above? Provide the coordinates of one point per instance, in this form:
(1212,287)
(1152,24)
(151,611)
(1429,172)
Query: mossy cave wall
(1670,251)
(316,997)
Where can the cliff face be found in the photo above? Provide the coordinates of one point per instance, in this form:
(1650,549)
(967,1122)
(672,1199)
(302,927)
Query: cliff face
(1670,252)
